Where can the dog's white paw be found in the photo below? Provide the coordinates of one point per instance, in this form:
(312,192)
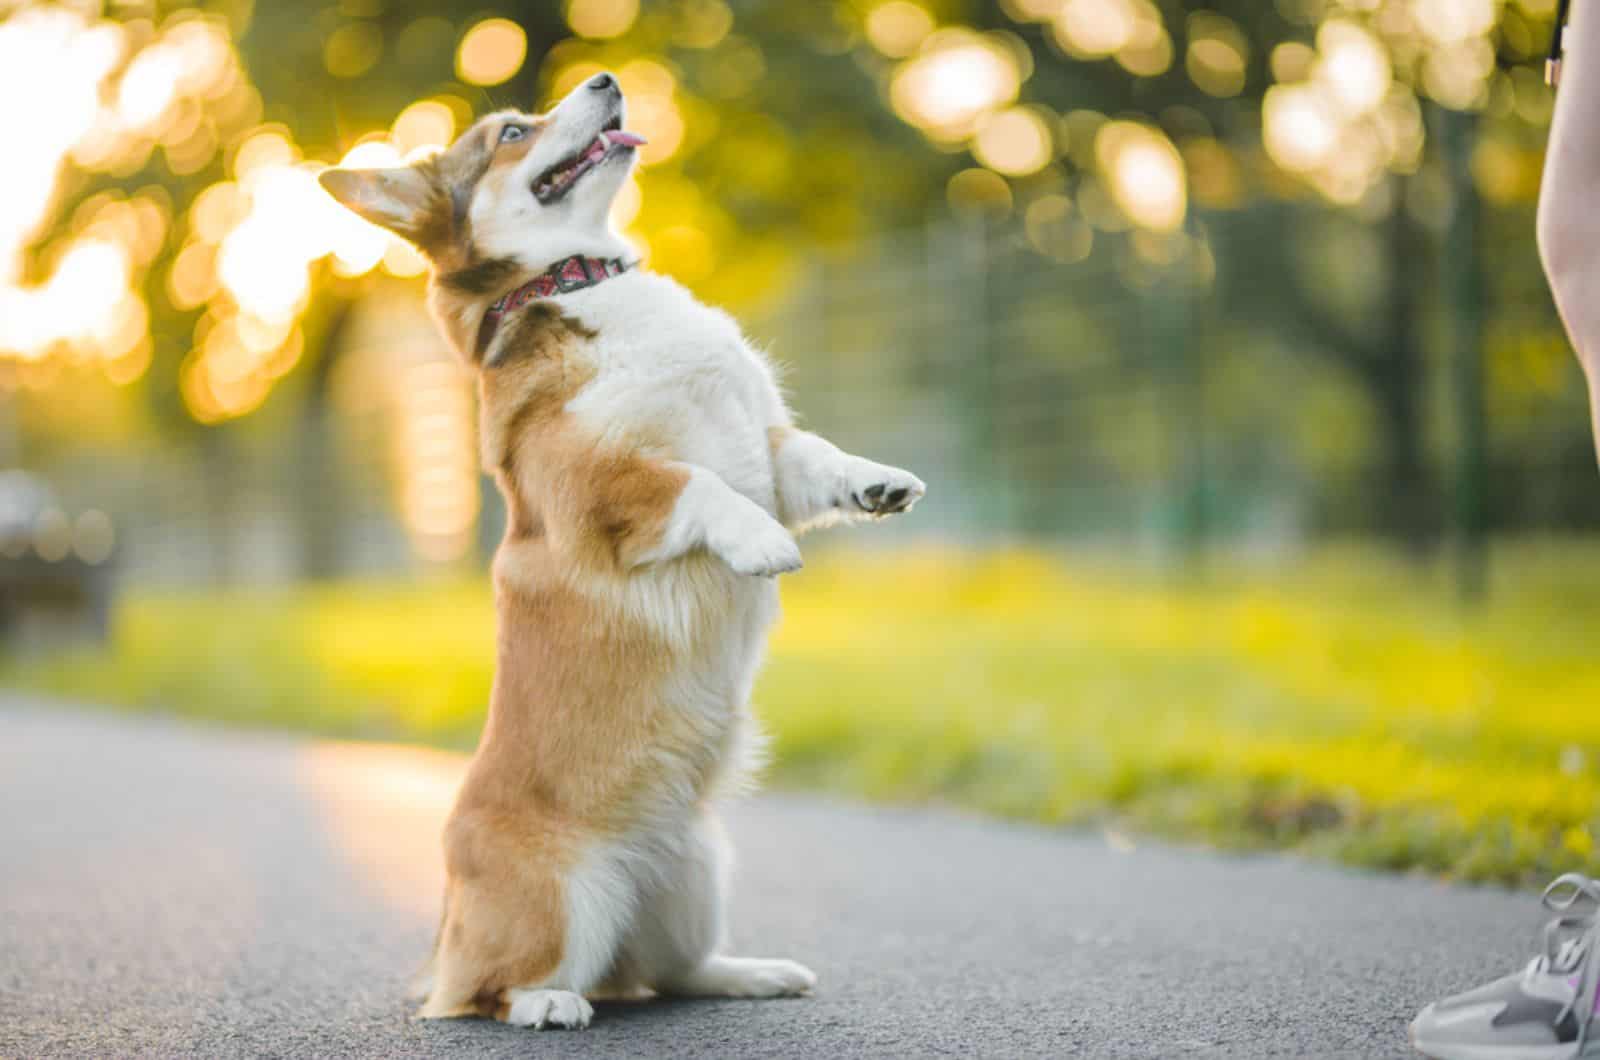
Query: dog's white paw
(757,545)
(773,978)
(548,1008)
(881,490)
(750,977)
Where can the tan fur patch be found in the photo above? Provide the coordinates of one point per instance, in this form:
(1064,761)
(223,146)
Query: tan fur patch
(604,507)
(778,437)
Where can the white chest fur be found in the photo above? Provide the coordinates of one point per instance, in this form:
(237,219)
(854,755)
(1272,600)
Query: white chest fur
(677,377)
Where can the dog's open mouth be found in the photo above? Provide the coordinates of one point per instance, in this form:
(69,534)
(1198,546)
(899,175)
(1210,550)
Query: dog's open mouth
(556,181)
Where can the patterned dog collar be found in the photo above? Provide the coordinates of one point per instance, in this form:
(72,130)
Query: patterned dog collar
(566,275)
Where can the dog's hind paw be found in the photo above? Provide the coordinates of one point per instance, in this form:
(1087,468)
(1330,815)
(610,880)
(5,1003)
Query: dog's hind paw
(746,977)
(548,1008)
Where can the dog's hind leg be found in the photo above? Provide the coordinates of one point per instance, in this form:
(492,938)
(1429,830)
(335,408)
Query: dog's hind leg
(680,929)
(528,930)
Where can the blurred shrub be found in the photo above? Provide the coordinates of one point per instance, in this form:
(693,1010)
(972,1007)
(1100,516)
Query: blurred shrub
(1345,707)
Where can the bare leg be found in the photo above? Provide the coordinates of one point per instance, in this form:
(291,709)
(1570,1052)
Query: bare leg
(1569,225)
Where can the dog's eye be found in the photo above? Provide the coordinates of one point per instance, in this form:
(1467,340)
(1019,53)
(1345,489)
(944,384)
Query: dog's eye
(512,133)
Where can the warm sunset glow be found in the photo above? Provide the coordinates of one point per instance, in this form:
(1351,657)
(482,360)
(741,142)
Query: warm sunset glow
(652,109)
(436,456)
(1447,22)
(1339,118)
(265,149)
(1457,75)
(102,97)
(1093,28)
(148,86)
(979,192)
(384,807)
(1292,61)
(1015,142)
(427,123)
(1299,129)
(1034,10)
(1216,66)
(956,79)
(491,52)
(897,27)
(256,241)
(1148,52)
(1353,66)
(1144,173)
(599,19)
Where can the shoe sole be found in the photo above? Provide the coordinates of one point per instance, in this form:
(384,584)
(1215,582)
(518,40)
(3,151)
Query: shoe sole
(1467,1051)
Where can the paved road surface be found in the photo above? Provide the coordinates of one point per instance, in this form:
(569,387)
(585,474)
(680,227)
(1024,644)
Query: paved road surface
(174,891)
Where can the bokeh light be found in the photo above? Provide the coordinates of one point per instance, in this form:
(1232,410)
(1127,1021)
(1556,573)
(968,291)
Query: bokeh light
(898,27)
(653,109)
(104,98)
(491,52)
(1015,141)
(1054,230)
(957,78)
(1148,52)
(979,192)
(426,123)
(1352,65)
(436,459)
(1144,173)
(600,19)
(1300,126)
(231,275)
(1094,28)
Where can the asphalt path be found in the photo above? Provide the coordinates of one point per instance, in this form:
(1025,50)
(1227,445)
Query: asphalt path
(169,890)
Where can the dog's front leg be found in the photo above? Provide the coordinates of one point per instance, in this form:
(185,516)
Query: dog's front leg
(818,483)
(708,513)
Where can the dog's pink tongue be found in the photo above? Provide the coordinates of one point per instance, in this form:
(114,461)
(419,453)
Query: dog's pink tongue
(627,139)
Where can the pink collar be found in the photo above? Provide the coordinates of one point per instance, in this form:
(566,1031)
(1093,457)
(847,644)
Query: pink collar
(568,274)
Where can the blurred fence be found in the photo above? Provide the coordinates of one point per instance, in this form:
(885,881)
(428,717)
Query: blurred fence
(1112,400)
(1102,400)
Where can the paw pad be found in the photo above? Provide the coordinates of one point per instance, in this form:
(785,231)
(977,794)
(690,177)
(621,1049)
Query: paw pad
(889,498)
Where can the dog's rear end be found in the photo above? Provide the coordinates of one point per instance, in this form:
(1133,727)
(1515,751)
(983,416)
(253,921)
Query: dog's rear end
(653,482)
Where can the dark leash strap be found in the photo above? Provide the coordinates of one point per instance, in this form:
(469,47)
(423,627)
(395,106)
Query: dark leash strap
(1552,65)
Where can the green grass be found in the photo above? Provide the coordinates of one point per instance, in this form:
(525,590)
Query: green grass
(1347,707)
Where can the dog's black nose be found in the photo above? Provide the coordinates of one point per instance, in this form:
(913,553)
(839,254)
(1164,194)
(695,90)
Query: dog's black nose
(602,82)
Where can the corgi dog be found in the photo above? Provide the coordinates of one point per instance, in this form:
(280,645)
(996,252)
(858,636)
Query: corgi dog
(654,482)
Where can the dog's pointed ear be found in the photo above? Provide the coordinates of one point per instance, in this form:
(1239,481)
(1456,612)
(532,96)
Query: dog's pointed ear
(401,199)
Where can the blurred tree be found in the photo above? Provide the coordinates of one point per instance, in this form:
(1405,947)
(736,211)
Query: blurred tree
(175,185)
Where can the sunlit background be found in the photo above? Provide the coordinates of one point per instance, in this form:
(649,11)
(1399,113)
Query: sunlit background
(1212,307)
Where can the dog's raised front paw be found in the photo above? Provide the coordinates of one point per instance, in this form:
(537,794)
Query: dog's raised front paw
(881,490)
(757,546)
(548,1008)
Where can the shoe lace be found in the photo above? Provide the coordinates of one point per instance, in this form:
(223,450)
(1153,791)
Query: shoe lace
(1572,943)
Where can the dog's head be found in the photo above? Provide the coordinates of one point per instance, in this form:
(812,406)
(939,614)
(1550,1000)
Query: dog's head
(516,193)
